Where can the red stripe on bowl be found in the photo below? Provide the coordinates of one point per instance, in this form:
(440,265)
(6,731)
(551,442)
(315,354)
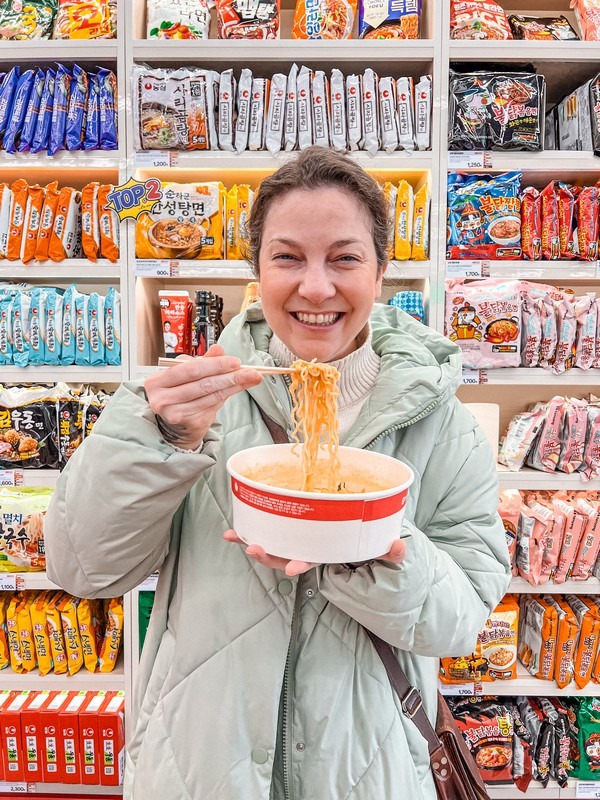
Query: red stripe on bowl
(320,510)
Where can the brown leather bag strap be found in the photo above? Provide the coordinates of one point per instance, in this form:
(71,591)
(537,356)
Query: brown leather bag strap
(411,699)
(278,434)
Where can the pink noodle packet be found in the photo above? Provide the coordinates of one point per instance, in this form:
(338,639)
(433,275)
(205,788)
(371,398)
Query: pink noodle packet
(586,314)
(576,522)
(574,436)
(591,457)
(519,437)
(566,329)
(545,452)
(590,541)
(549,332)
(554,540)
(596,363)
(531,534)
(509,509)
(531,332)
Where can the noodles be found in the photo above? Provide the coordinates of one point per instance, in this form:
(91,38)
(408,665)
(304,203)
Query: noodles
(314,393)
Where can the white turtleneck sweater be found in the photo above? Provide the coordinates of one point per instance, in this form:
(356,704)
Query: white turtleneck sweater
(358,373)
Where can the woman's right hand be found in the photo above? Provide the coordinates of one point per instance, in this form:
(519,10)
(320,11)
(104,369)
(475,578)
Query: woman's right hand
(187,396)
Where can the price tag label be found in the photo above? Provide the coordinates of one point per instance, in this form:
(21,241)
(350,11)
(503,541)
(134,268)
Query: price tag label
(11,477)
(470,159)
(16,788)
(153,158)
(156,268)
(458,689)
(597,270)
(149,585)
(471,377)
(8,582)
(467,269)
(587,789)
(174,159)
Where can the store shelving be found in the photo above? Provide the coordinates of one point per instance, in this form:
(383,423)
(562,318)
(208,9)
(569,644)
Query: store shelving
(52,50)
(528,478)
(591,586)
(71,374)
(75,269)
(81,681)
(59,789)
(529,685)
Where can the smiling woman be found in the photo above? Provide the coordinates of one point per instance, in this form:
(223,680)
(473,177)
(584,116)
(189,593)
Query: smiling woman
(149,489)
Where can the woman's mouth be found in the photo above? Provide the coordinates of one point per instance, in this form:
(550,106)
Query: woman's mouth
(317,320)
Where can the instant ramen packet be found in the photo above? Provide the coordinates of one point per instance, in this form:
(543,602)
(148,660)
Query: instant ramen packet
(489,734)
(73,647)
(305,124)
(4,653)
(108,224)
(478,19)
(242,125)
(33,216)
(588,618)
(112,327)
(545,29)
(404,219)
(496,111)
(51,198)
(568,632)
(91,19)
(22,513)
(28,427)
(391,19)
(109,651)
(32,112)
(41,639)
(324,19)
(25,632)
(354,110)
(27,20)
(320,109)
(20,102)
(55,634)
(77,110)
(89,619)
(65,240)
(91,136)
(8,87)
(107,109)
(339,133)
(12,634)
(238,20)
(420,229)
(538,629)
(62,91)
(290,135)
(226,110)
(43,126)
(90,226)
(177,19)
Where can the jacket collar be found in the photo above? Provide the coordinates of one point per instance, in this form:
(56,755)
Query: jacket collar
(420,370)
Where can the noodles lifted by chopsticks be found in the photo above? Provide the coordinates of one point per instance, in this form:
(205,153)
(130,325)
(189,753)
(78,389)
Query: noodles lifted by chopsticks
(314,393)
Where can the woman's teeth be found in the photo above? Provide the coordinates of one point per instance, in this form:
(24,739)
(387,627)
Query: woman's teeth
(317,319)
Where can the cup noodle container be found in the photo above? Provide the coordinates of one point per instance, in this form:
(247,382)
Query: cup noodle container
(313,526)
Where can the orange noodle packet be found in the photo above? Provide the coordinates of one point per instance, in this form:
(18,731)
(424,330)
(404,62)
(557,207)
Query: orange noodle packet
(33,216)
(4,655)
(112,636)
(25,628)
(41,639)
(55,634)
(324,19)
(566,643)
(538,630)
(12,632)
(89,621)
(68,614)
(587,615)
(20,191)
(90,227)
(42,245)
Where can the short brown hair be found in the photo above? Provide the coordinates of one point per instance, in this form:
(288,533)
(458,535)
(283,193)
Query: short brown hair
(316,168)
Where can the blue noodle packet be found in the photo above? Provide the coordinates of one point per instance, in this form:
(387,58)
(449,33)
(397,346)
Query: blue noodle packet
(77,113)
(7,92)
(62,91)
(82,330)
(112,327)
(32,111)
(5,329)
(107,109)
(37,312)
(96,328)
(15,124)
(44,121)
(67,352)
(52,328)
(20,328)
(91,140)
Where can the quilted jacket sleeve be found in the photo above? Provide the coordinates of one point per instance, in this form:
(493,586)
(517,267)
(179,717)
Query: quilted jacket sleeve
(456,568)
(109,521)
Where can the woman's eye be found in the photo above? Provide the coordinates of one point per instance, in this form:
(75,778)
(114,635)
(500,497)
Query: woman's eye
(347,259)
(284,257)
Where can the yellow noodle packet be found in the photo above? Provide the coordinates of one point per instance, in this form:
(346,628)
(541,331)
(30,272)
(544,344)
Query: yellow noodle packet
(55,634)
(89,621)
(70,626)
(25,629)
(390,193)
(41,639)
(232,246)
(4,656)
(245,197)
(113,634)
(12,631)
(403,222)
(420,233)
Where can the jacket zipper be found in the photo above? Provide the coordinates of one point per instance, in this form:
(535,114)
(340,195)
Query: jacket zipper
(288,699)
(412,421)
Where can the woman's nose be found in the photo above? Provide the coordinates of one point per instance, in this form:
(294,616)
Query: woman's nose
(317,283)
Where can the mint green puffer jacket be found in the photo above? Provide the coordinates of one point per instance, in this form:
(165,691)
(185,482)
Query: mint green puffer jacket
(228,635)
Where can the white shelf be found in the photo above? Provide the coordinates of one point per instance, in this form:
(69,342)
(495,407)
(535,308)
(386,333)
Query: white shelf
(75,269)
(547,161)
(528,685)
(534,792)
(72,374)
(368,53)
(521,586)
(82,680)
(263,160)
(527,51)
(536,376)
(528,478)
(64,159)
(7,788)
(59,50)
(543,270)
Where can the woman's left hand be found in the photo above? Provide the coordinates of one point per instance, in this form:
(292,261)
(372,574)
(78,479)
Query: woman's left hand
(395,555)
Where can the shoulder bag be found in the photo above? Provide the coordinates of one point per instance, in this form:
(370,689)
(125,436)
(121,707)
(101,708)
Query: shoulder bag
(455,773)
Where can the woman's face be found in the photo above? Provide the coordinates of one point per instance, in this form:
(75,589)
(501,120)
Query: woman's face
(318,272)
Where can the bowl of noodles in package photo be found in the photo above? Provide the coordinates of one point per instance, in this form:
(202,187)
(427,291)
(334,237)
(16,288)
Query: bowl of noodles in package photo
(315,501)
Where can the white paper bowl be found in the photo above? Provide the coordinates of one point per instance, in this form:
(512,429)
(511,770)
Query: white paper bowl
(314,526)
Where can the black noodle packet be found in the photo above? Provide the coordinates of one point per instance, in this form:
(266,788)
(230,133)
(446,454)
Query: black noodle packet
(545,29)
(496,111)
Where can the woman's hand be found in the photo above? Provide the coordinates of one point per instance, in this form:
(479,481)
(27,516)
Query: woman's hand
(395,555)
(187,396)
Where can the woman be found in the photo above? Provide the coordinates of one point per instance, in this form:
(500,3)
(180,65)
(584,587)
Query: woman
(257,679)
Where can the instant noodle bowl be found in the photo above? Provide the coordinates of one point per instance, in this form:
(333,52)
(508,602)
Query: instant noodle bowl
(358,523)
